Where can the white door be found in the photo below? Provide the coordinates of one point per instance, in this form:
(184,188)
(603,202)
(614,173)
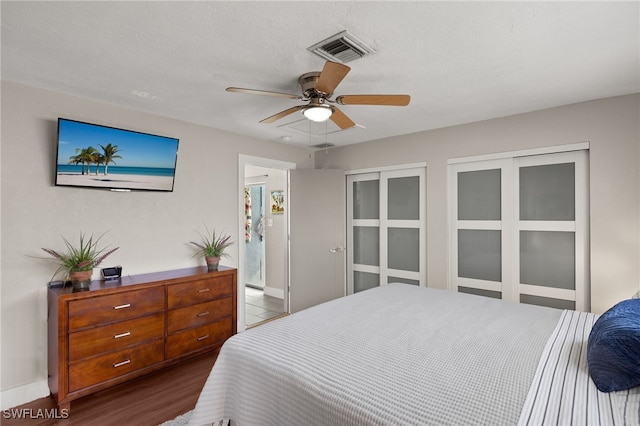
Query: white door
(316,237)
(519,229)
(480,240)
(551,230)
(386,228)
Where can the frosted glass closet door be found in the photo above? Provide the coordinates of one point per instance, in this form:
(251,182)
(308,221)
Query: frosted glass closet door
(551,230)
(478,243)
(386,229)
(363,225)
(404,243)
(519,229)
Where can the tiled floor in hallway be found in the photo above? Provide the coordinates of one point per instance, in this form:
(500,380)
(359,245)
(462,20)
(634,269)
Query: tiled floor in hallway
(260,307)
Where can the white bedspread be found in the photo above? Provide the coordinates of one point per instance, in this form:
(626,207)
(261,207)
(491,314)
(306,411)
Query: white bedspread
(394,355)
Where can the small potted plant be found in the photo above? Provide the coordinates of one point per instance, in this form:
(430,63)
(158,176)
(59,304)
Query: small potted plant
(212,247)
(79,260)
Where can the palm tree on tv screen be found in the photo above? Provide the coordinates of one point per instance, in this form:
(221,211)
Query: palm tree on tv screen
(99,159)
(76,159)
(90,156)
(109,153)
(84,156)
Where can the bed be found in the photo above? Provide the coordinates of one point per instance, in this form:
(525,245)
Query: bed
(407,355)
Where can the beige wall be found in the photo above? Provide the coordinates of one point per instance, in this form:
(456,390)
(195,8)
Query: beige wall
(152,229)
(611,126)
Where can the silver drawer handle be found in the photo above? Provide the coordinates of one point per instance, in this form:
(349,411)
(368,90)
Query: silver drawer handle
(203,290)
(128,305)
(202,314)
(206,336)
(120,364)
(125,334)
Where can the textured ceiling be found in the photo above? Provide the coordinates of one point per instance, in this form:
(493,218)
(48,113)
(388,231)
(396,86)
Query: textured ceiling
(460,61)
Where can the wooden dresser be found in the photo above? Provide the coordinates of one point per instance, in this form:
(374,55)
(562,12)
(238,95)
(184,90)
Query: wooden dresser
(121,329)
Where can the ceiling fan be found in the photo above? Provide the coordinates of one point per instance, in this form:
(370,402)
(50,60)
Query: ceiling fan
(317,88)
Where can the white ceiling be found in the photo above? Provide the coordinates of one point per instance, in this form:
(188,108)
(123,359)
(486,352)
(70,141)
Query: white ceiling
(460,61)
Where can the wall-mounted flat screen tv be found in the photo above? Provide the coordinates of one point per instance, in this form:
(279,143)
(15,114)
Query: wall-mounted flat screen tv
(94,156)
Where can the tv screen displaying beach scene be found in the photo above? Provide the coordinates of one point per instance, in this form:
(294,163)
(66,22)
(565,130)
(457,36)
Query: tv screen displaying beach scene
(96,156)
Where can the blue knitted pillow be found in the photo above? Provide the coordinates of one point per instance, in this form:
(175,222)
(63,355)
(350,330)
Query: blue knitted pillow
(613,350)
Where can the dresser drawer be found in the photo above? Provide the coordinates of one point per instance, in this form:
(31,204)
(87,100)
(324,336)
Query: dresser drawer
(99,369)
(115,336)
(197,315)
(198,291)
(115,307)
(200,337)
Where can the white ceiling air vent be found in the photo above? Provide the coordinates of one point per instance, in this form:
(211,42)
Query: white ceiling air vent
(342,47)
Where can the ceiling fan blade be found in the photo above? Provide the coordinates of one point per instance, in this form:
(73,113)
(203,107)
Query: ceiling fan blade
(332,74)
(283,114)
(263,92)
(391,100)
(341,119)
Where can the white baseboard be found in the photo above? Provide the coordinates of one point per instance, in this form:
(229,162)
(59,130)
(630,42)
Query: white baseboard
(274,292)
(22,394)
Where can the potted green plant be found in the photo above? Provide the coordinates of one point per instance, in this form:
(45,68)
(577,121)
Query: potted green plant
(212,247)
(78,261)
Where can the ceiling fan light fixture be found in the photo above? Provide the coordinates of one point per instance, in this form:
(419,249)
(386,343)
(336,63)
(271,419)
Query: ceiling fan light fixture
(318,113)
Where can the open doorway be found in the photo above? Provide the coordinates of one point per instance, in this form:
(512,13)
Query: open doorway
(263,279)
(265,244)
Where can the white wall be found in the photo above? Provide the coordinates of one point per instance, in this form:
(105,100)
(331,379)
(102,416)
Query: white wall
(612,128)
(152,229)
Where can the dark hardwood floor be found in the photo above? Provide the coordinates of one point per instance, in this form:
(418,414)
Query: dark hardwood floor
(146,401)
